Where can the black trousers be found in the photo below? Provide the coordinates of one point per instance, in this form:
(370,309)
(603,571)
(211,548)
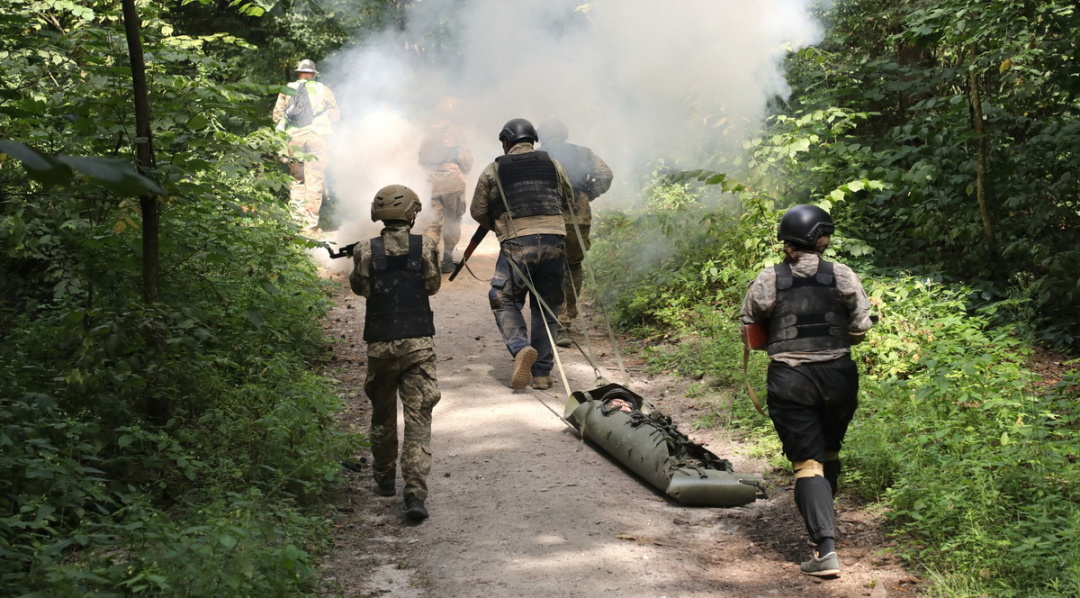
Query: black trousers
(811,406)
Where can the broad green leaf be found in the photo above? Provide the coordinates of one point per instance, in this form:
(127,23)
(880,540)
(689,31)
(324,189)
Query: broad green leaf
(43,169)
(117,175)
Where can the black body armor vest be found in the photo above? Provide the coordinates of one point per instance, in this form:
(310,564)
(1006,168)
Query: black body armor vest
(808,314)
(531,185)
(398,306)
(573,162)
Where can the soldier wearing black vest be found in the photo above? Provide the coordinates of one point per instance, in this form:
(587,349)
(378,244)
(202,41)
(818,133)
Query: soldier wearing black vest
(397,272)
(813,311)
(590,178)
(524,197)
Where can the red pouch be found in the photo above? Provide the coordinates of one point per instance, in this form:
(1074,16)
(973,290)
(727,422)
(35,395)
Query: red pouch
(755,337)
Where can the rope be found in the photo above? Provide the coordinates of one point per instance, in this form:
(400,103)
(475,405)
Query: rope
(603,312)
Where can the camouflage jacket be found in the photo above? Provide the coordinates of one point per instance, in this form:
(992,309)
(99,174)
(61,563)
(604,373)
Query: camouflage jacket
(600,176)
(323,105)
(444,153)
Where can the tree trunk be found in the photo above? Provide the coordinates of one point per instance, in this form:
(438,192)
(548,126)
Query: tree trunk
(157,406)
(981,151)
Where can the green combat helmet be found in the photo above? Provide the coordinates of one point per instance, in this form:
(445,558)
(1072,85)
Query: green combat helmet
(395,202)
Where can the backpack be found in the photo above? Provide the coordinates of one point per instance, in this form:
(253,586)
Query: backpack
(298,111)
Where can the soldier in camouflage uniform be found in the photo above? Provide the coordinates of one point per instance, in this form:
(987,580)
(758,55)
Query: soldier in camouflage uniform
(444,154)
(812,311)
(524,197)
(309,176)
(397,272)
(590,178)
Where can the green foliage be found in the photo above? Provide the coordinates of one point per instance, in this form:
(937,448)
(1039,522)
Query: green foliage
(95,498)
(971,457)
(908,72)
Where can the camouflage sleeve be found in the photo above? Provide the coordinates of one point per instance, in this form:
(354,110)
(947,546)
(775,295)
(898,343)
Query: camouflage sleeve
(360,277)
(432,271)
(331,105)
(485,192)
(759,299)
(279,108)
(464,154)
(854,297)
(601,174)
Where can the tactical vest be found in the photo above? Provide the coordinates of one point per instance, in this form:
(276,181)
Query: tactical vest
(808,314)
(398,306)
(530,184)
(436,148)
(573,162)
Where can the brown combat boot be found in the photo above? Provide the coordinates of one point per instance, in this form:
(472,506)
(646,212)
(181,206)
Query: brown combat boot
(523,363)
(541,382)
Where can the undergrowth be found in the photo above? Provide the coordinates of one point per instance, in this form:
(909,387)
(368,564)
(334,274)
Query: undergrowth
(223,499)
(971,456)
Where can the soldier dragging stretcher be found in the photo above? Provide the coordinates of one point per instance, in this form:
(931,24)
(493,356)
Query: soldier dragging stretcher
(524,197)
(397,272)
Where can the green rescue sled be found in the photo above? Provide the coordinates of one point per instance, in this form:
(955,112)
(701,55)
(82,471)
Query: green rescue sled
(645,440)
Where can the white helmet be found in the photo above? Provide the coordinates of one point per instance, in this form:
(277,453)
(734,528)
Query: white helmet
(306,66)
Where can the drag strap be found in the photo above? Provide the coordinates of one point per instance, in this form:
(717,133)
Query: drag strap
(746,377)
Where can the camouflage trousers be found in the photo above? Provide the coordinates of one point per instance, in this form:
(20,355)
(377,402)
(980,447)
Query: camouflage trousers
(309,176)
(445,227)
(412,378)
(575,273)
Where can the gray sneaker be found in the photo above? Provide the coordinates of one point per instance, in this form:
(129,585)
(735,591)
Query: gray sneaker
(825,566)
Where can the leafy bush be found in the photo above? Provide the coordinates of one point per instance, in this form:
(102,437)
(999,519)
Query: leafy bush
(98,498)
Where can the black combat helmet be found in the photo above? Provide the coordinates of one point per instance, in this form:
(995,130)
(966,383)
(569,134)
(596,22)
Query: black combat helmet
(553,130)
(804,224)
(518,130)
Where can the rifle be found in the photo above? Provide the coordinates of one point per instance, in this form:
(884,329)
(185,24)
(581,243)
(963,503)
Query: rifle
(343,252)
(478,236)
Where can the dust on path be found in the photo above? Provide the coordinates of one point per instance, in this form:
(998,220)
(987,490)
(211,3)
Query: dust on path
(520,506)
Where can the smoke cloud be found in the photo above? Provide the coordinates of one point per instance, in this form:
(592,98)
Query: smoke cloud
(637,81)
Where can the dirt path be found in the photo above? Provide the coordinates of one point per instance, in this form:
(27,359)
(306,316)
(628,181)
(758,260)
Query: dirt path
(521,507)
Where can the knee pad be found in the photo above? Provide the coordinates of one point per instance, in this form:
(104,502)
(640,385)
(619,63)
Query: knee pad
(808,469)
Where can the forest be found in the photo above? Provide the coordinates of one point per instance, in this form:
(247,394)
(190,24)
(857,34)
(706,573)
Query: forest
(164,426)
